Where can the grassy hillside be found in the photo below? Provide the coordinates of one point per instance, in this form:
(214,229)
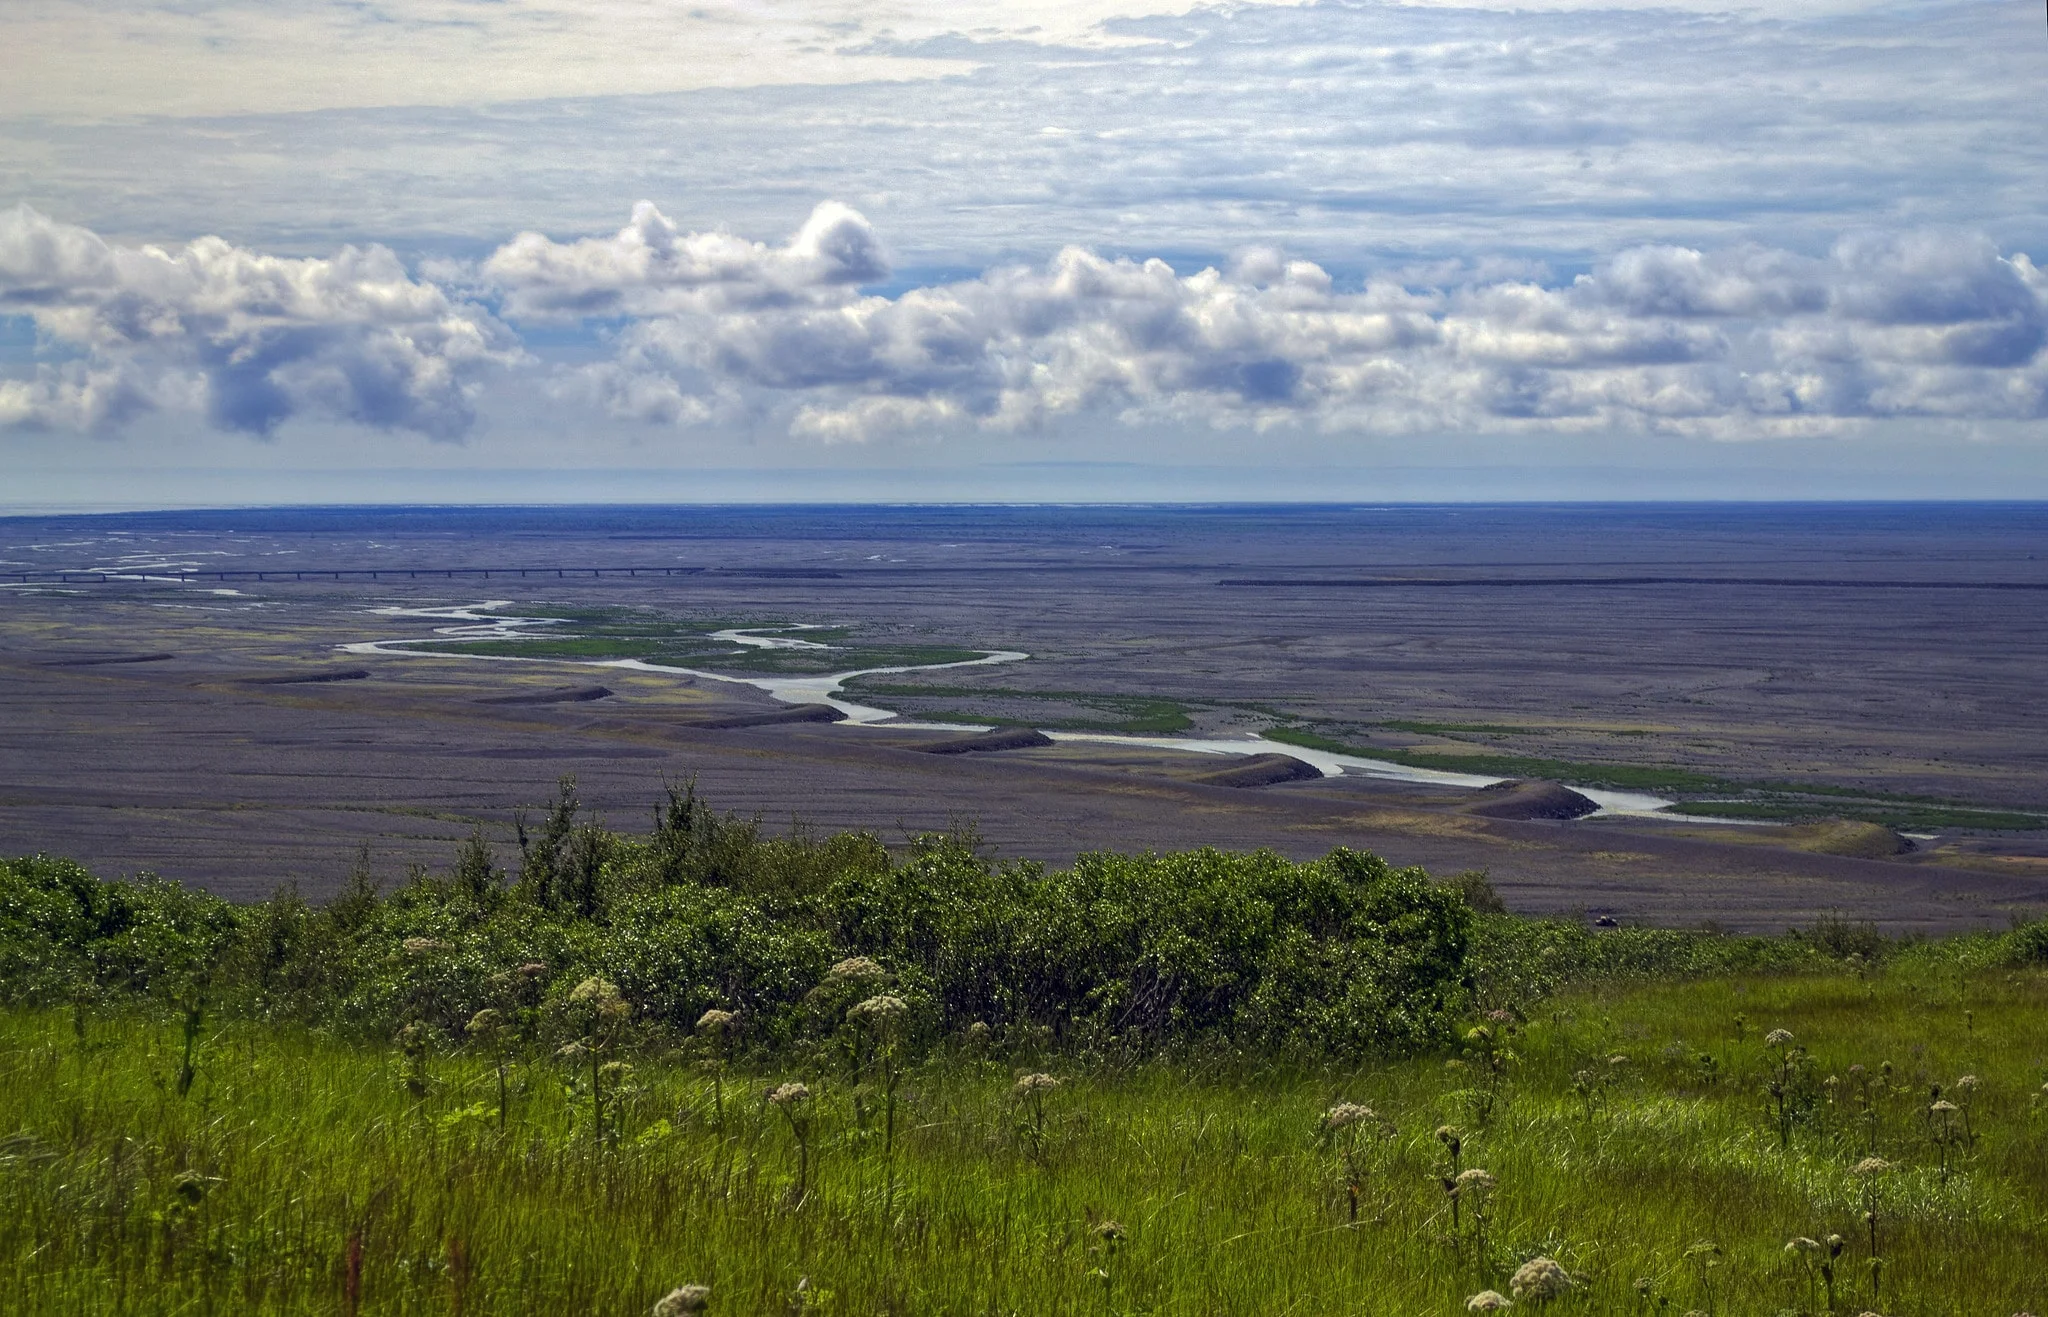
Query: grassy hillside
(302,1174)
(817,1076)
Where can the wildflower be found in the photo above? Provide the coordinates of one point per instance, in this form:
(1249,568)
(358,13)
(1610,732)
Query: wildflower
(485,1023)
(1944,1107)
(602,995)
(532,969)
(424,946)
(1500,1016)
(788,1095)
(1345,1113)
(683,1299)
(881,1010)
(977,1033)
(1539,1279)
(715,1021)
(1479,1036)
(1108,1231)
(1967,1083)
(1778,1038)
(1870,1166)
(1488,1301)
(1617,1059)
(1802,1245)
(1474,1180)
(855,969)
(616,1071)
(1032,1084)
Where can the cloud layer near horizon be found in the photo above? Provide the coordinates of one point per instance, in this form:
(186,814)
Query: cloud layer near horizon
(710,328)
(248,339)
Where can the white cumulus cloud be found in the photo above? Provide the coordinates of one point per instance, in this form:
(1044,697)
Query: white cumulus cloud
(1738,343)
(715,329)
(650,267)
(248,338)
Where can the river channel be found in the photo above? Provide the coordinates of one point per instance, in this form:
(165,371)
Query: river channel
(474,622)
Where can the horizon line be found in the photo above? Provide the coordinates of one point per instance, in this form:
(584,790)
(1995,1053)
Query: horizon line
(33,511)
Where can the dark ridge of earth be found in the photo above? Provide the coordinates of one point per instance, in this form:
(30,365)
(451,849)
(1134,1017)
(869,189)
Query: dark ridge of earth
(1833,583)
(309,678)
(102,660)
(1529,800)
(560,695)
(1002,738)
(772,717)
(1262,771)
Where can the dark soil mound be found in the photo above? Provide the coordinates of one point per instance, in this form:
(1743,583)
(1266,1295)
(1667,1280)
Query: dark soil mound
(1002,738)
(560,695)
(1261,771)
(308,678)
(1866,841)
(795,713)
(95,660)
(1529,800)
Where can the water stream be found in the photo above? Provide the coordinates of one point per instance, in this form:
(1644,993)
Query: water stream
(475,622)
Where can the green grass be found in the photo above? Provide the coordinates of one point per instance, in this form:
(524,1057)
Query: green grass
(1455,729)
(615,633)
(1777,800)
(118,1194)
(713,655)
(1625,776)
(477,1095)
(1135,715)
(1909,817)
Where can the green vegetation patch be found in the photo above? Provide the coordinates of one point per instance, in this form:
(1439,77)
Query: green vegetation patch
(1762,800)
(606,633)
(1459,760)
(1909,817)
(1134,715)
(1345,954)
(817,1077)
(1455,729)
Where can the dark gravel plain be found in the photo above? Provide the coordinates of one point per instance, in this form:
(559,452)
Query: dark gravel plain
(156,723)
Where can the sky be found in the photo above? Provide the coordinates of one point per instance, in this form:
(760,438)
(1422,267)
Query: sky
(302,251)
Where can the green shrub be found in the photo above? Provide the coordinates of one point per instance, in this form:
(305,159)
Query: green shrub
(1340,956)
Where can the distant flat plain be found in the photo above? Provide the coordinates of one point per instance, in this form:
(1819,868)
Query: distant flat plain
(156,719)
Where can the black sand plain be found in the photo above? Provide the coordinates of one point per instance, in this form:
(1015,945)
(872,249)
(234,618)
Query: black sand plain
(161,708)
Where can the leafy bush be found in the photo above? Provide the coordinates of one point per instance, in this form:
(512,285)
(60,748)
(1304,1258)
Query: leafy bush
(1345,955)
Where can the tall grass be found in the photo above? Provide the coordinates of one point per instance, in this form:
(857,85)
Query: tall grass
(1631,1132)
(821,1076)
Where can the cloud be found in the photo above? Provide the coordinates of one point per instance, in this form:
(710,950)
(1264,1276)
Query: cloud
(1740,343)
(650,267)
(710,329)
(1367,134)
(248,338)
